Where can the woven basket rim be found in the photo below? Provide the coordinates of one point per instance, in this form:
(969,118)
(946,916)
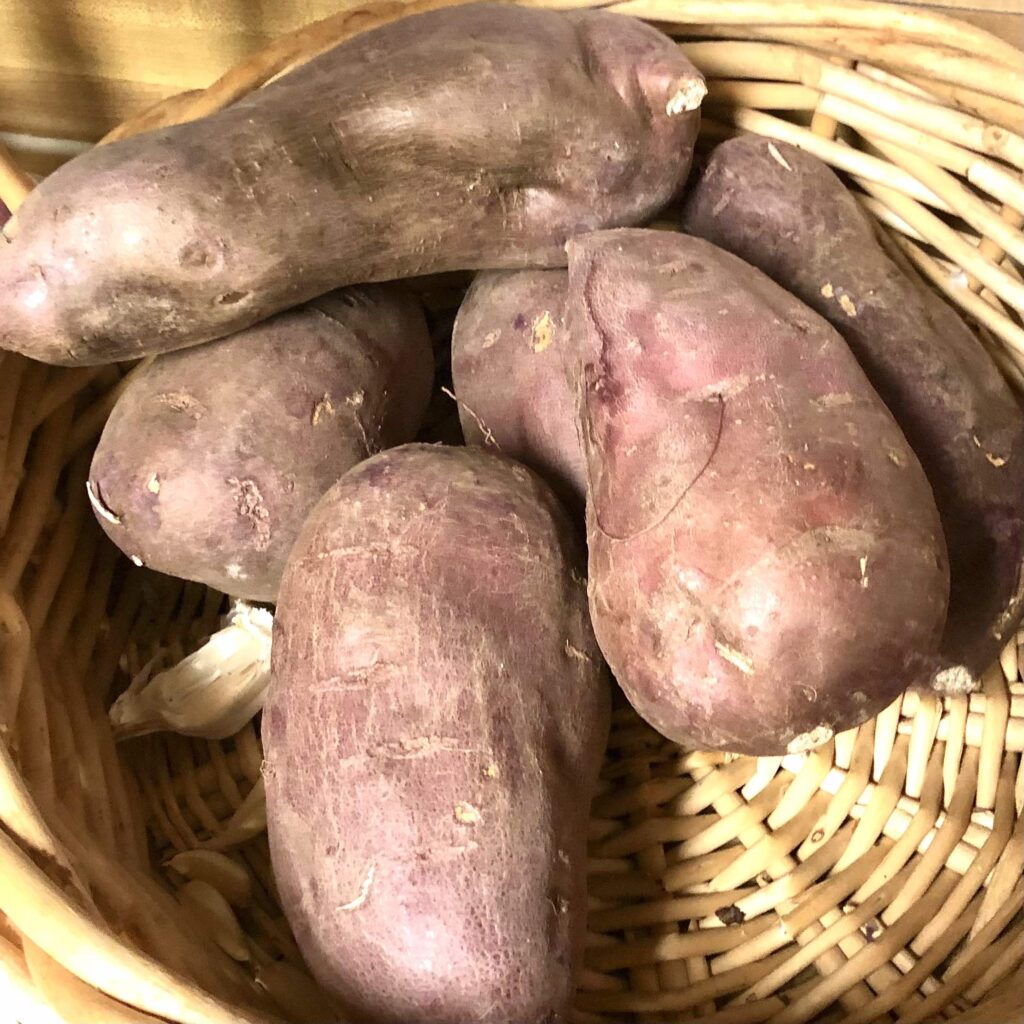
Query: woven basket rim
(937,100)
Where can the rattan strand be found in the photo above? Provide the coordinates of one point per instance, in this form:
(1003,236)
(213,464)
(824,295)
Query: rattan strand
(877,878)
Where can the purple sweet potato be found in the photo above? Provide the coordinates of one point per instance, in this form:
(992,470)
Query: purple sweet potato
(213,457)
(433,733)
(479,136)
(767,565)
(507,356)
(785,212)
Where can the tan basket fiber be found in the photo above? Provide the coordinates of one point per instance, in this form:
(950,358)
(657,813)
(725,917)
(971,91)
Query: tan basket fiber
(877,878)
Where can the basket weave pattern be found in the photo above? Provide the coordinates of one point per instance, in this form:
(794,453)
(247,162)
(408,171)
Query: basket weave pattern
(880,877)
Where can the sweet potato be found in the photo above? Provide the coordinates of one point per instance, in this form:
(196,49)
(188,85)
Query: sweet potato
(767,566)
(507,355)
(214,456)
(785,212)
(435,724)
(480,136)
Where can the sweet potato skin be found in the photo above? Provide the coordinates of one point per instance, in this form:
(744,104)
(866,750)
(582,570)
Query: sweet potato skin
(507,367)
(787,213)
(767,566)
(478,136)
(213,457)
(434,730)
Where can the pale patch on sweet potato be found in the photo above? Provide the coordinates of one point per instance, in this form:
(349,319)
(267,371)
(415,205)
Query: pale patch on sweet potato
(249,504)
(543,332)
(364,891)
(807,741)
(323,409)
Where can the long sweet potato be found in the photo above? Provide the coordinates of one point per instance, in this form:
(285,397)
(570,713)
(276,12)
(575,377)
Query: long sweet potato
(479,136)
(787,213)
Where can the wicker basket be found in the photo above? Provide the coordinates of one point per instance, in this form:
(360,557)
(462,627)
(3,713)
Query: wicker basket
(877,878)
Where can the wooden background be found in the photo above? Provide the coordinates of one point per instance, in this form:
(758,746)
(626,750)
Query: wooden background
(71,69)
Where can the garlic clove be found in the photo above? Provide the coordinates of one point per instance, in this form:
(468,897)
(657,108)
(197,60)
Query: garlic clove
(210,694)
(227,876)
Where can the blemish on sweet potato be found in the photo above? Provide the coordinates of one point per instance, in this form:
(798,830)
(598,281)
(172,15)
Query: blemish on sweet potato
(99,506)
(575,653)
(322,408)
(467,814)
(778,157)
(250,506)
(195,254)
(364,891)
(808,741)
(735,658)
(181,401)
(543,332)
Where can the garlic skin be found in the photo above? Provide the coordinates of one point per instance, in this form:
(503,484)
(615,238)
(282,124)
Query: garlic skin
(210,694)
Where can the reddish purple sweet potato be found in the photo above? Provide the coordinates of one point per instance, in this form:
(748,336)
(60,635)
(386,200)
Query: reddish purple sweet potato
(433,734)
(213,457)
(480,136)
(507,355)
(785,212)
(767,566)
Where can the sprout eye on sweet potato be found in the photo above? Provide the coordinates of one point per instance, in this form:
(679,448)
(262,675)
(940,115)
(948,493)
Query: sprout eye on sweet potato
(479,136)
(787,213)
(433,733)
(767,566)
(213,457)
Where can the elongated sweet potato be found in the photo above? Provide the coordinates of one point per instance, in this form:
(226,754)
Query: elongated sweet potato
(767,566)
(784,211)
(473,137)
(507,367)
(213,457)
(435,723)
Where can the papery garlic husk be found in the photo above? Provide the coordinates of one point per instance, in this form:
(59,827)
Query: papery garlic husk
(212,693)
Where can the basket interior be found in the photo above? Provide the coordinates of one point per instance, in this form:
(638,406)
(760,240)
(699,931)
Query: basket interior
(876,878)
